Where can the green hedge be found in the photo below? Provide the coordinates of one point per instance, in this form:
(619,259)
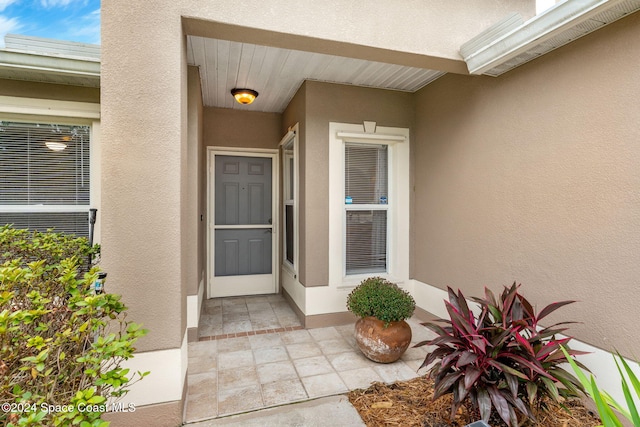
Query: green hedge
(61,345)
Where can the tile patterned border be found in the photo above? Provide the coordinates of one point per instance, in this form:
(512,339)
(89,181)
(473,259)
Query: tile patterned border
(246,334)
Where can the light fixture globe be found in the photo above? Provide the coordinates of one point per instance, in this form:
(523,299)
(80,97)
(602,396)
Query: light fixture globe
(244,96)
(55,145)
(58,145)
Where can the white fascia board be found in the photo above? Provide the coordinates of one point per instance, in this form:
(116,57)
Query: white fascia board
(49,107)
(50,64)
(535,31)
(492,33)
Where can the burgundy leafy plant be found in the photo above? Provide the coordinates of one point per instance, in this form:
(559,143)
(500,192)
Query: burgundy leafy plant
(502,358)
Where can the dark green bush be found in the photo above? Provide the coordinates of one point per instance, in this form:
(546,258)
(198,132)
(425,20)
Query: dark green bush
(382,299)
(61,345)
(502,358)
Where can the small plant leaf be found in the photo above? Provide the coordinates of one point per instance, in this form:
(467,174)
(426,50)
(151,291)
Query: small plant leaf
(435,354)
(484,404)
(466,358)
(551,387)
(633,410)
(470,377)
(507,369)
(524,343)
(512,382)
(500,404)
(445,384)
(435,328)
(532,392)
(551,308)
(527,363)
(607,416)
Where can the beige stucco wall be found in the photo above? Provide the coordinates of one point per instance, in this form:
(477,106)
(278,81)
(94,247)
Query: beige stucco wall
(224,127)
(49,91)
(143,103)
(534,177)
(335,103)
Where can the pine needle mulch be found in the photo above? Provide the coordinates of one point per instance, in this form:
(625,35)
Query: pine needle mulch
(409,404)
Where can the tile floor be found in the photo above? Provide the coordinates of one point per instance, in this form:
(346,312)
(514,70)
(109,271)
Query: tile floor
(243,316)
(253,354)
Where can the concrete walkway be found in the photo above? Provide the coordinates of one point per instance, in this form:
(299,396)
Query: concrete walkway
(335,411)
(235,370)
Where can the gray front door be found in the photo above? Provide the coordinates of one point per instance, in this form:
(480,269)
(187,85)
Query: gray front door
(243,226)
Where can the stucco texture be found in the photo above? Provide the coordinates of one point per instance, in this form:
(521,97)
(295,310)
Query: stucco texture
(533,177)
(241,129)
(144,129)
(335,103)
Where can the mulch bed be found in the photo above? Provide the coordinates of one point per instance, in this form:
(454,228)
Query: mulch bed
(409,403)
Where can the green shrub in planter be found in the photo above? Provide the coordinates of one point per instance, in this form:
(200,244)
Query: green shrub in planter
(61,346)
(381,299)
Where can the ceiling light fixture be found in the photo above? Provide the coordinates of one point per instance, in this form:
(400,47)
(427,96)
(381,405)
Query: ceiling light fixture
(244,96)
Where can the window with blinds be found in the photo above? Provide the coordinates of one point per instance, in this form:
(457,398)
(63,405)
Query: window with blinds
(45,176)
(366,208)
(289,199)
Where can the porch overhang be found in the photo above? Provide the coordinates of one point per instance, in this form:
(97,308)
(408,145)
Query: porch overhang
(50,61)
(513,42)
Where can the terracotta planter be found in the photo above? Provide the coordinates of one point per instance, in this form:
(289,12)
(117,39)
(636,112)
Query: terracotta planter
(380,344)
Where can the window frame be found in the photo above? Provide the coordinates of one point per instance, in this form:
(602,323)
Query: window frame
(398,203)
(290,139)
(44,111)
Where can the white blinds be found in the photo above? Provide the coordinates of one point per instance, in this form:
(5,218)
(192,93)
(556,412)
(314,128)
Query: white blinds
(44,176)
(366,173)
(366,198)
(366,250)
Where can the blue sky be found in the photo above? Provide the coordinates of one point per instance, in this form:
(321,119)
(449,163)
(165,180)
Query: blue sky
(72,20)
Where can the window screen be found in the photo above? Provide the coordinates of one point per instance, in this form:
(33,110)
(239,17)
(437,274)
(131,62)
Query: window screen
(45,168)
(366,242)
(366,173)
(366,198)
(288,224)
(289,199)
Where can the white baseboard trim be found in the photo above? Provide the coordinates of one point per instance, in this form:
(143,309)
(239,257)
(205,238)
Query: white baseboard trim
(165,382)
(194,306)
(201,290)
(192,311)
(600,362)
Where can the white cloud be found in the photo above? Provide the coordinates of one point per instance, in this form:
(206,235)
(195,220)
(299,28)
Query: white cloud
(59,3)
(6,3)
(8,25)
(87,28)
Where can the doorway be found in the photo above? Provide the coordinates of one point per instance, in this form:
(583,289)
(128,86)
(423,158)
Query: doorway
(242,231)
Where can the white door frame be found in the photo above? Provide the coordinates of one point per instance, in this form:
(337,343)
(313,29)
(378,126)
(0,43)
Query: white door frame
(275,197)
